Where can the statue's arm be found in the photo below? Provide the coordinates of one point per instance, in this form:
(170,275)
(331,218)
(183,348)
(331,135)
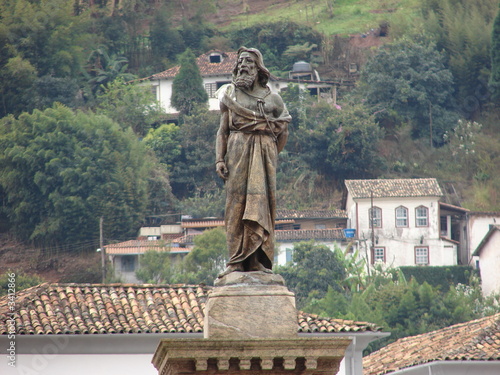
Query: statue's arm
(221,143)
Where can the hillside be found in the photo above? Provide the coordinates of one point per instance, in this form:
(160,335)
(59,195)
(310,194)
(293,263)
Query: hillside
(341,17)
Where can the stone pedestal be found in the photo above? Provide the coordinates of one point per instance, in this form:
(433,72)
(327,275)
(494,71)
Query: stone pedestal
(307,356)
(250,328)
(250,305)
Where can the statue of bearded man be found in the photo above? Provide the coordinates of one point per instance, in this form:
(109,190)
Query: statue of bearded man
(253,131)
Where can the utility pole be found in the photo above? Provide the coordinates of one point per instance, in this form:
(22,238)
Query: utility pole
(103,251)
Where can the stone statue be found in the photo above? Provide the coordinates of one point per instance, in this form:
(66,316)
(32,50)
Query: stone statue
(253,130)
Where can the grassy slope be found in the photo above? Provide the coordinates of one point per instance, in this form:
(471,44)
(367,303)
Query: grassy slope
(344,17)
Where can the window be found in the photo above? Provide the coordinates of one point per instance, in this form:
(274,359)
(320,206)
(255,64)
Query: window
(289,255)
(421,216)
(421,256)
(128,263)
(319,226)
(375,217)
(401,217)
(215,59)
(211,88)
(378,255)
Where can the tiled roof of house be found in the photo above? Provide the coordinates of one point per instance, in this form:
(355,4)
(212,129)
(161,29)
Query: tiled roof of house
(141,246)
(202,224)
(309,234)
(117,308)
(477,340)
(311,214)
(394,188)
(207,68)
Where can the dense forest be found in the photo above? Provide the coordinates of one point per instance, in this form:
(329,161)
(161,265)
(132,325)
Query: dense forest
(82,138)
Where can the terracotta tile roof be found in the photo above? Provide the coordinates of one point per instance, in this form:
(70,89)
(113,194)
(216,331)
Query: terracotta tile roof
(309,234)
(141,246)
(202,224)
(315,323)
(382,188)
(311,214)
(477,340)
(118,308)
(207,68)
(187,239)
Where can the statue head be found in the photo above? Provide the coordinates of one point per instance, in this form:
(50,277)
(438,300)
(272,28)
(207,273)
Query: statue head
(262,72)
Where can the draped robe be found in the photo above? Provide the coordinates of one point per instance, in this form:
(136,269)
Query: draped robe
(251,159)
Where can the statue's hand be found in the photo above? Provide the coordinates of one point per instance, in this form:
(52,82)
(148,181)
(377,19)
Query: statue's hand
(221,169)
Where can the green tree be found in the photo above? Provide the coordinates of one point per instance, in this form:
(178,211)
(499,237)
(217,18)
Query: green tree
(107,68)
(315,268)
(21,281)
(341,143)
(409,77)
(405,308)
(166,42)
(206,260)
(165,142)
(495,59)
(187,88)
(194,173)
(47,90)
(155,267)
(463,29)
(131,105)
(62,170)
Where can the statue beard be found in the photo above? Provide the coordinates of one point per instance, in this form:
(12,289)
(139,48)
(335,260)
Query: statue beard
(245,79)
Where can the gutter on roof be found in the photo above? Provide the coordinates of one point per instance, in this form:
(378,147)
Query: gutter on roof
(464,367)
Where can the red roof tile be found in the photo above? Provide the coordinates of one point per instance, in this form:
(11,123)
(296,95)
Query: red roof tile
(475,340)
(309,234)
(311,214)
(207,68)
(142,246)
(405,187)
(118,308)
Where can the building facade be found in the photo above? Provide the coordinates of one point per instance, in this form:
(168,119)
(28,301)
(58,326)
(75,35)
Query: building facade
(398,222)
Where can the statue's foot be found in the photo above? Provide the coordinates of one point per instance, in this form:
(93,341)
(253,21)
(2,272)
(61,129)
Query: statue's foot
(260,267)
(231,268)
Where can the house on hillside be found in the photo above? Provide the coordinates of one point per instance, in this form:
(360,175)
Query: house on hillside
(401,222)
(488,254)
(216,70)
(321,226)
(103,329)
(125,257)
(462,349)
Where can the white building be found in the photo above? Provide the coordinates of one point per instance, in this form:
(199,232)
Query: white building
(216,70)
(398,222)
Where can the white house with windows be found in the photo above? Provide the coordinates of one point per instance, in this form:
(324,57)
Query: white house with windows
(398,222)
(216,69)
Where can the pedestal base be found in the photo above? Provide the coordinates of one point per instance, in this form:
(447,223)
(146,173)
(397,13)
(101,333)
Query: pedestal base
(307,356)
(250,305)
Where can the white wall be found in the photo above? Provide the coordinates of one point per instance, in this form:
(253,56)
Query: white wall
(489,265)
(479,225)
(400,243)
